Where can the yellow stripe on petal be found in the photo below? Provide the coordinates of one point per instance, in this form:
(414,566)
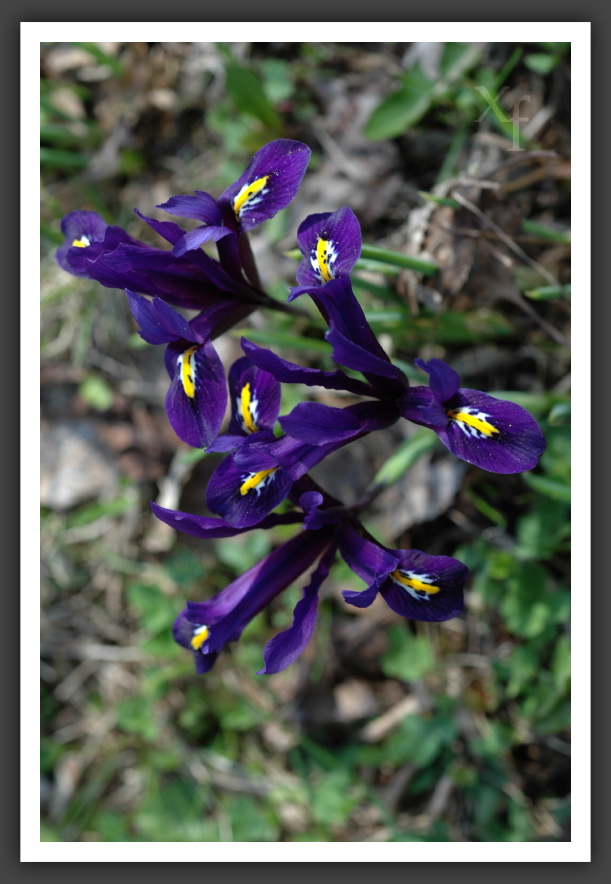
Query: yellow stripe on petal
(256,481)
(199,637)
(323,256)
(246,409)
(248,195)
(82,243)
(186,367)
(475,421)
(408,580)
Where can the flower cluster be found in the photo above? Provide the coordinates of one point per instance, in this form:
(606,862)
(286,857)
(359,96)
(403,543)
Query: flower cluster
(262,469)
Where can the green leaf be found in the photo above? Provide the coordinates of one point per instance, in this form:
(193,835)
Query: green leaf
(410,656)
(387,256)
(247,93)
(91,512)
(410,103)
(134,716)
(548,292)
(333,797)
(549,487)
(96,392)
(243,551)
(62,159)
(156,610)
(523,665)
(404,458)
(420,740)
(439,200)
(545,232)
(526,604)
(401,109)
(282,339)
(540,62)
(102,57)
(250,820)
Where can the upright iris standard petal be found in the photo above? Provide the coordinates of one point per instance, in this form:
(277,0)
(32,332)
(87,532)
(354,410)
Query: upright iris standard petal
(159,324)
(284,648)
(320,424)
(330,244)
(196,399)
(340,307)
(255,398)
(203,207)
(490,433)
(268,185)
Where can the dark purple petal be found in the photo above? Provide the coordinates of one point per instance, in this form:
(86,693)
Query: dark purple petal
(299,290)
(156,272)
(205,627)
(424,587)
(367,559)
(340,307)
(207,527)
(284,648)
(364,598)
(419,405)
(166,229)
(244,494)
(388,380)
(444,381)
(269,183)
(297,457)
(490,433)
(290,373)
(197,397)
(255,398)
(76,225)
(159,324)
(202,207)
(195,238)
(330,244)
(87,236)
(225,442)
(320,424)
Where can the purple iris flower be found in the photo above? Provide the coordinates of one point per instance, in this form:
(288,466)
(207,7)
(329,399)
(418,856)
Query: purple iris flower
(412,583)
(112,257)
(493,434)
(206,627)
(268,185)
(87,236)
(196,399)
(252,480)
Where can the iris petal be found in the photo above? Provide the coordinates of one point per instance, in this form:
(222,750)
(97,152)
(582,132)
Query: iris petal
(197,396)
(273,175)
